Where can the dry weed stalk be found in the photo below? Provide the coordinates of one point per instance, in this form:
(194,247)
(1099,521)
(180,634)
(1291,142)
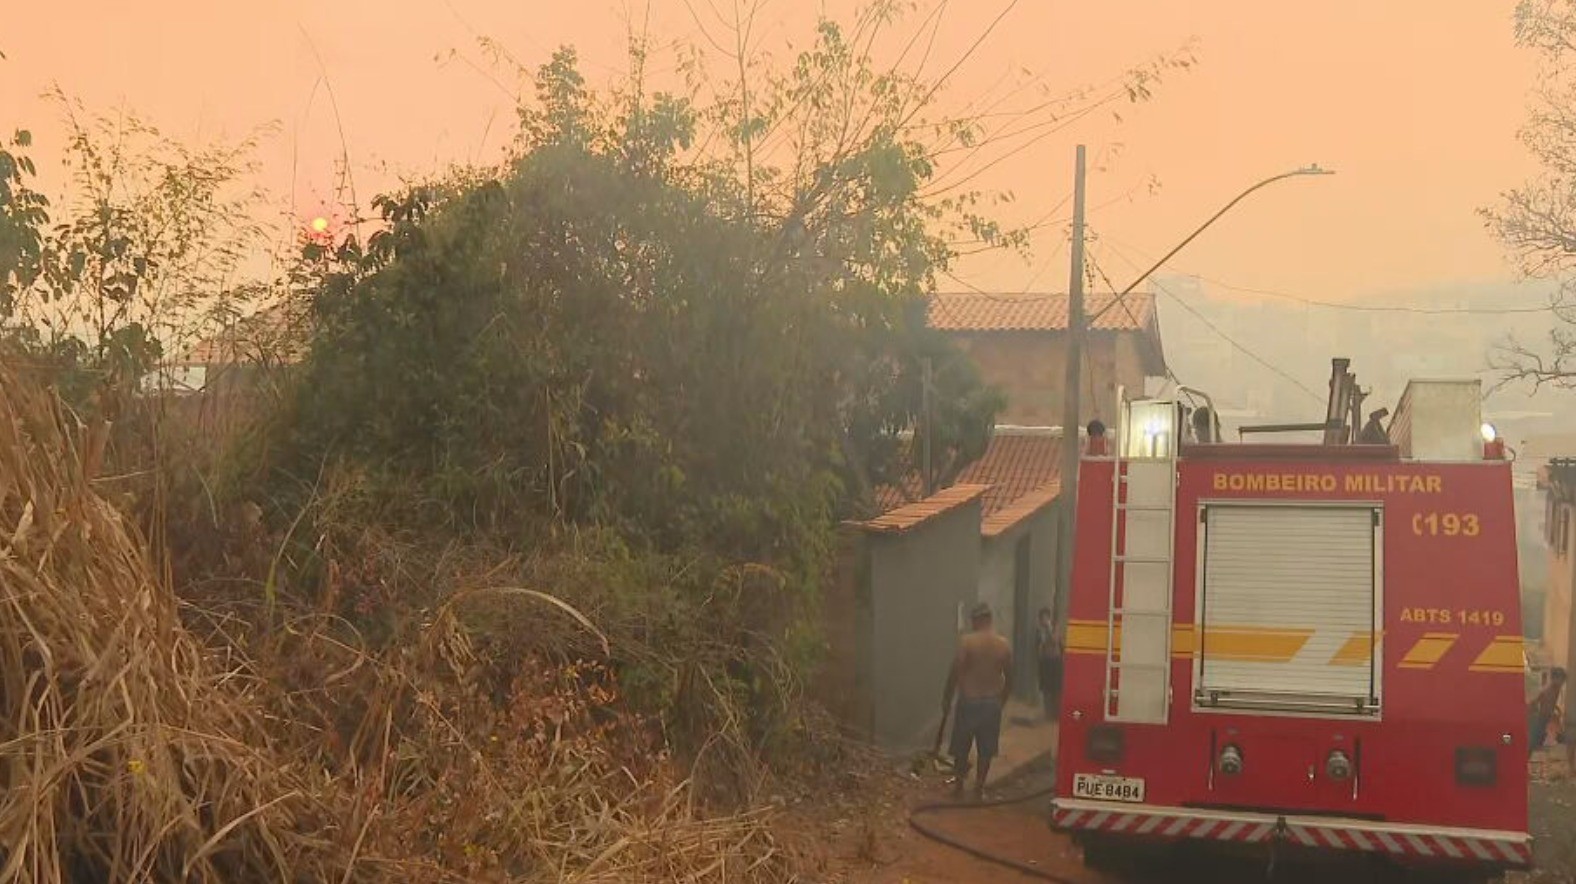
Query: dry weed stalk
(132,750)
(502,767)
(126,754)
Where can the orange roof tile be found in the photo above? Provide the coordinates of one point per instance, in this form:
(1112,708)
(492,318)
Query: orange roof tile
(914,514)
(1021,471)
(1009,516)
(974,311)
(1024,473)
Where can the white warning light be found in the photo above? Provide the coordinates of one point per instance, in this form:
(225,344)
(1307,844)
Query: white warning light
(1489,433)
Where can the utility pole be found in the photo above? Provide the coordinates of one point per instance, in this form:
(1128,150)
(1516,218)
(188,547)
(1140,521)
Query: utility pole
(1077,326)
(1071,418)
(928,473)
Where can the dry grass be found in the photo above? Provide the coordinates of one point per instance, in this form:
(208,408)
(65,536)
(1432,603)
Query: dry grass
(127,754)
(279,748)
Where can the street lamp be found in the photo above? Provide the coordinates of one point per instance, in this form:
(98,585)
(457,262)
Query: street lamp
(1313,169)
(1077,324)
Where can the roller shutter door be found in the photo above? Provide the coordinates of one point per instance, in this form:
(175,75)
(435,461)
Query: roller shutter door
(1288,606)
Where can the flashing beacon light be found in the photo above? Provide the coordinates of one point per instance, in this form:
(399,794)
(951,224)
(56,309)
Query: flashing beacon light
(1493,446)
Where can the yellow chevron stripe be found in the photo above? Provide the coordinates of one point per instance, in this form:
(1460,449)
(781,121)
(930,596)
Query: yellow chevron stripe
(1429,650)
(1503,654)
(1357,650)
(1088,637)
(1278,645)
(1254,644)
(1238,643)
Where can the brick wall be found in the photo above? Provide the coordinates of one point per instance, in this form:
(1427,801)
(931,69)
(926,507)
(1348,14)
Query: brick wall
(1030,368)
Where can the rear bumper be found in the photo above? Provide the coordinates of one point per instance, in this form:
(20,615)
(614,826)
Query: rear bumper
(1431,844)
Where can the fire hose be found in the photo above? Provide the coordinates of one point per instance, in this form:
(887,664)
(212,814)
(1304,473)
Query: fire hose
(976,852)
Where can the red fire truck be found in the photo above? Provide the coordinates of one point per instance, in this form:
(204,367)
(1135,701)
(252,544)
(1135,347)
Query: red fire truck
(1299,646)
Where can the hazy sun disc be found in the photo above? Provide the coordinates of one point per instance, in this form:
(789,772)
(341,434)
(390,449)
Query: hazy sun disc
(320,225)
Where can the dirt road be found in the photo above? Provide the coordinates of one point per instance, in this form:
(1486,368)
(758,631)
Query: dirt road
(893,853)
(1021,833)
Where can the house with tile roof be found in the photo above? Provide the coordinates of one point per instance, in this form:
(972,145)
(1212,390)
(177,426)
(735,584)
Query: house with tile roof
(905,577)
(1019,344)
(900,589)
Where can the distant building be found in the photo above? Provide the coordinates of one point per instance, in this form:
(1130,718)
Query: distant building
(1019,343)
(1559,486)
(230,360)
(216,384)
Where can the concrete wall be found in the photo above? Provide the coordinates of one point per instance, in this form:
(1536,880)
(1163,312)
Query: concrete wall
(1030,367)
(842,684)
(917,583)
(998,584)
(893,609)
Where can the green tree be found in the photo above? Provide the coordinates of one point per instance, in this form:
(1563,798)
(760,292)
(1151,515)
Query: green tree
(701,314)
(690,326)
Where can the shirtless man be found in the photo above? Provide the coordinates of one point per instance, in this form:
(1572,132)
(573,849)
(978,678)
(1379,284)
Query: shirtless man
(981,679)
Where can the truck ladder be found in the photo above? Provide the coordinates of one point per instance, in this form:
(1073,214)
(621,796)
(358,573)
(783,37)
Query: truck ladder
(1143,537)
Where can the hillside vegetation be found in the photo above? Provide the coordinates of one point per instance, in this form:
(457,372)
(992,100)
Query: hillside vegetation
(497,558)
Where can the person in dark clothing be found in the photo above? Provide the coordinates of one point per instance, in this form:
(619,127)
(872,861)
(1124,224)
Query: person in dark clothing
(1204,425)
(1050,660)
(1373,432)
(1097,442)
(1541,710)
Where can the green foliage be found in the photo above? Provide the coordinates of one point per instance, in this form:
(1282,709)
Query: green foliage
(608,333)
(24,214)
(691,327)
(155,246)
(706,356)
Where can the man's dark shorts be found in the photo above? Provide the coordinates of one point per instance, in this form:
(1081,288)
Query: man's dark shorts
(976,723)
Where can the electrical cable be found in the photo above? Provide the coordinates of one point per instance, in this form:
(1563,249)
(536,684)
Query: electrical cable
(1223,336)
(977,852)
(1121,299)
(1356,308)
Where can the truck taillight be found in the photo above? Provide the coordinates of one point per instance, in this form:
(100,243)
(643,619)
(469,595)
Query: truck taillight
(1230,761)
(1476,766)
(1338,766)
(1107,744)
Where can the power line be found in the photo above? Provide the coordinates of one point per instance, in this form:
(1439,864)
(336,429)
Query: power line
(1244,350)
(1121,299)
(1222,334)
(1378,308)
(1356,308)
